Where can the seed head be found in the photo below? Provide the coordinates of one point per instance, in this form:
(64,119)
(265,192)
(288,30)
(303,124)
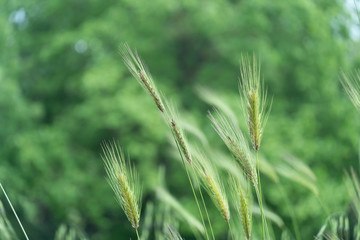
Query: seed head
(123,181)
(172,119)
(212,184)
(180,140)
(236,143)
(254,99)
(142,75)
(242,206)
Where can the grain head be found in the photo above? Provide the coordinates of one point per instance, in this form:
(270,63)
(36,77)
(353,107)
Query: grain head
(124,182)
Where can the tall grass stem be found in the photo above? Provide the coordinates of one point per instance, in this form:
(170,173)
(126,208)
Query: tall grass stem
(207,214)
(259,196)
(197,202)
(291,212)
(137,234)
(323,206)
(231,234)
(192,188)
(12,208)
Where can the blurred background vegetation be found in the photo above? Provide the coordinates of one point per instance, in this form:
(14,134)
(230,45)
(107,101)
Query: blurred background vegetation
(64,89)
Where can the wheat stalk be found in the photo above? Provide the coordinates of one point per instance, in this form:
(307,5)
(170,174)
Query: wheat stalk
(256,109)
(254,99)
(124,182)
(236,143)
(138,70)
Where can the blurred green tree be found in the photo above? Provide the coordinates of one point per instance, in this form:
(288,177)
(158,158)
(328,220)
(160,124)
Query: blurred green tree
(64,89)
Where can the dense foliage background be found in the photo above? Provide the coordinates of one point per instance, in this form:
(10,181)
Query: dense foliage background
(64,89)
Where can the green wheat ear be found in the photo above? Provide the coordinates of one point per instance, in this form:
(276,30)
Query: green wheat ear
(212,184)
(141,74)
(236,143)
(242,203)
(124,181)
(254,99)
(172,119)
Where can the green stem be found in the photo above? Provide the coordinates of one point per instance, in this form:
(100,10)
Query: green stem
(12,208)
(291,212)
(197,202)
(207,214)
(231,234)
(323,206)
(259,197)
(137,234)
(192,187)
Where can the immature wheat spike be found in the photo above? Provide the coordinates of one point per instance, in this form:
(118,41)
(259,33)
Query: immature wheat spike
(241,156)
(254,99)
(212,183)
(172,119)
(218,197)
(254,119)
(181,142)
(138,70)
(142,75)
(236,143)
(242,206)
(245,214)
(124,182)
